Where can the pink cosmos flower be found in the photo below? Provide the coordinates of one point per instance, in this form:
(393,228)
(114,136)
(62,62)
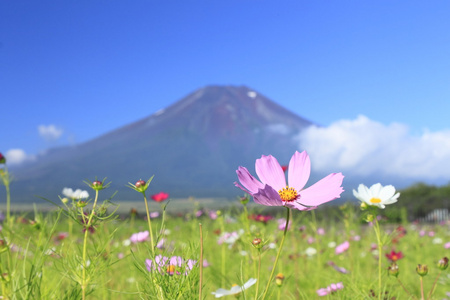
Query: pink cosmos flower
(206,263)
(272,190)
(342,247)
(356,238)
(322,292)
(320,231)
(213,215)
(447,245)
(154,215)
(161,244)
(139,237)
(332,288)
(337,268)
(282,224)
(173,265)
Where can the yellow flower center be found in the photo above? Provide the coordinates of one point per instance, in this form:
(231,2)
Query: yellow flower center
(288,194)
(375,200)
(171,269)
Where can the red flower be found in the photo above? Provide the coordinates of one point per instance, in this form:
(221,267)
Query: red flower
(161,196)
(261,218)
(394,256)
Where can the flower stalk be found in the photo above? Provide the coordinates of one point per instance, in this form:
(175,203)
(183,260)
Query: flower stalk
(380,249)
(258,273)
(84,281)
(201,263)
(141,186)
(149,225)
(278,254)
(6,179)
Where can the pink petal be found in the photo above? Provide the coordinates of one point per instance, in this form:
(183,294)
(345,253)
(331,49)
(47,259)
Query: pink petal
(248,181)
(268,196)
(326,189)
(296,205)
(299,170)
(270,172)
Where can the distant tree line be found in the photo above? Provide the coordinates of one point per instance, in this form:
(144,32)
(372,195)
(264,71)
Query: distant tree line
(415,202)
(421,199)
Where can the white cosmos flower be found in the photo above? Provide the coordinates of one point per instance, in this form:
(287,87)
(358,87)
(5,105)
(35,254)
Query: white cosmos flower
(376,195)
(437,240)
(310,251)
(77,194)
(235,289)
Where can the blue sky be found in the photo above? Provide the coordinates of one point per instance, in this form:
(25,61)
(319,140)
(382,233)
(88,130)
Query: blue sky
(73,70)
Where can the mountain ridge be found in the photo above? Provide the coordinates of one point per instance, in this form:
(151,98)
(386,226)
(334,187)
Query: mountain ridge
(192,146)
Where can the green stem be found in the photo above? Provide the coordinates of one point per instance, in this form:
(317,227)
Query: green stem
(421,288)
(278,254)
(316,239)
(149,225)
(380,249)
(6,182)
(257,276)
(4,284)
(434,286)
(86,231)
(201,263)
(222,229)
(247,224)
(404,288)
(8,205)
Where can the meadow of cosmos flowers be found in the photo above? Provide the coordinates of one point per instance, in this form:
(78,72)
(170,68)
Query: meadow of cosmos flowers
(291,243)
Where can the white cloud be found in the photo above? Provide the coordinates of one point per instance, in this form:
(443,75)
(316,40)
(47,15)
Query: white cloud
(365,147)
(50,132)
(16,156)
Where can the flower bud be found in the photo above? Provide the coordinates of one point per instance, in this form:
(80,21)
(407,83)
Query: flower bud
(3,246)
(35,224)
(5,277)
(140,183)
(2,159)
(364,206)
(257,243)
(97,185)
(279,279)
(64,200)
(443,263)
(141,186)
(244,200)
(422,270)
(393,270)
(369,218)
(101,210)
(81,203)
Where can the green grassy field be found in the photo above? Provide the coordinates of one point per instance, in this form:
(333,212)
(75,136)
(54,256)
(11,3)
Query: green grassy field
(42,254)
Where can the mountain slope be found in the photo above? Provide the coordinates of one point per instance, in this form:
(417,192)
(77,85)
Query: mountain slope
(193,148)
